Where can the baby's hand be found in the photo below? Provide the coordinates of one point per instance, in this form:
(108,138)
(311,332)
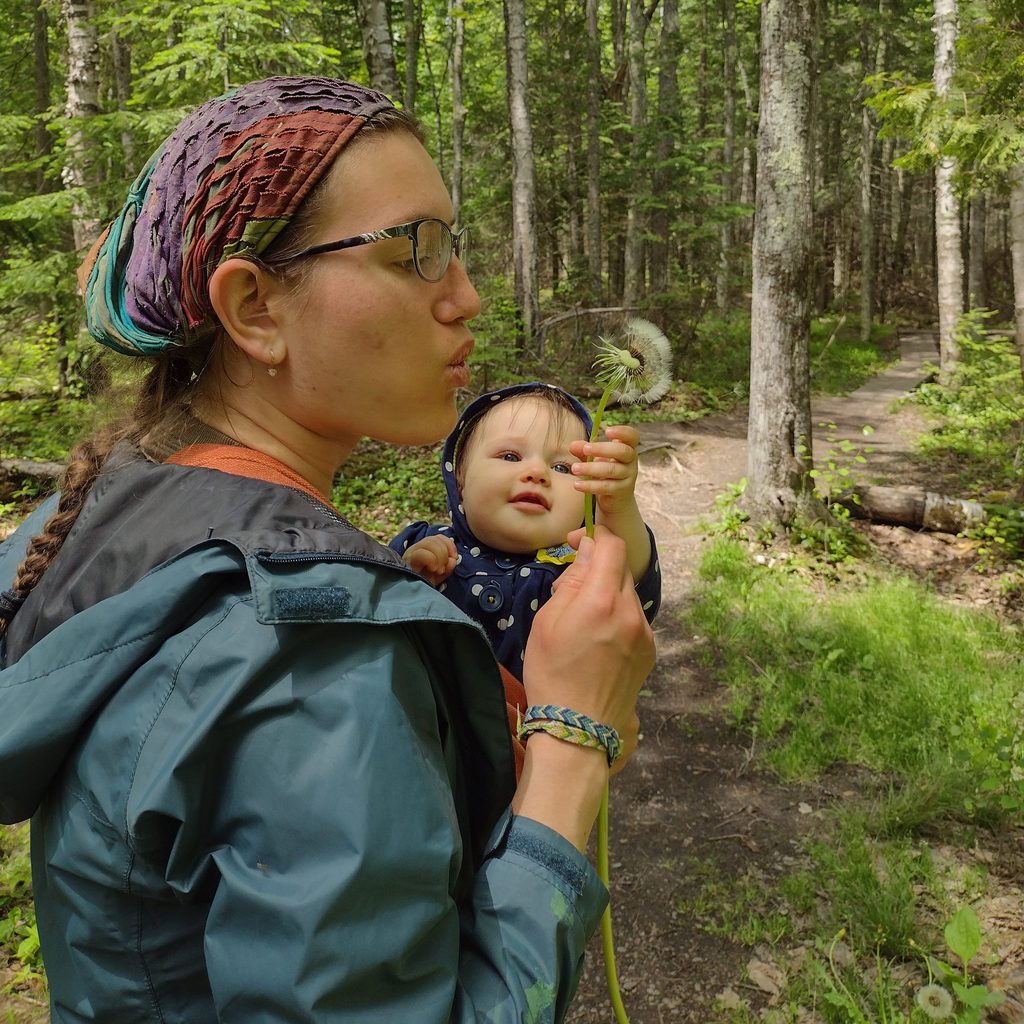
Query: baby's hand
(433,558)
(611,476)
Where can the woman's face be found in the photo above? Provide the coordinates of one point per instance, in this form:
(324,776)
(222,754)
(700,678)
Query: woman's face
(373,350)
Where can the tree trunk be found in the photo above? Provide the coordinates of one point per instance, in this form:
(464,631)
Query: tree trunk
(41,75)
(779,487)
(747,169)
(948,257)
(633,271)
(1017,254)
(664,147)
(977,297)
(524,238)
(80,168)
(885,234)
(413,11)
(723,280)
(458,22)
(594,150)
(121,61)
(378,49)
(868,221)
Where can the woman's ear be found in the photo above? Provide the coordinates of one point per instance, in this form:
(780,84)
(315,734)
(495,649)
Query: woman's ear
(241,293)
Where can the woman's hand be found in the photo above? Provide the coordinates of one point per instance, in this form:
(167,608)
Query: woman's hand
(590,650)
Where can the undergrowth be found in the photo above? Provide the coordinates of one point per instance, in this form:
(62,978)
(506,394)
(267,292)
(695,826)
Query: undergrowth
(923,704)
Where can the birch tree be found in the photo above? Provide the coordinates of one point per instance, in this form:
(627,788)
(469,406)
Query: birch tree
(82,82)
(779,488)
(524,244)
(413,12)
(378,49)
(949,262)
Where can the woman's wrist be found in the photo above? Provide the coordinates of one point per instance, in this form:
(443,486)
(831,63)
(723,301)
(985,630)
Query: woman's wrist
(561,786)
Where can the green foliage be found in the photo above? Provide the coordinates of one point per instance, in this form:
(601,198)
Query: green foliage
(882,675)
(981,432)
(384,488)
(870,890)
(19,938)
(980,122)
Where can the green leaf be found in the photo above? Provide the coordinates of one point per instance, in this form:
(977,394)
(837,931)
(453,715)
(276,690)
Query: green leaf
(975,996)
(963,934)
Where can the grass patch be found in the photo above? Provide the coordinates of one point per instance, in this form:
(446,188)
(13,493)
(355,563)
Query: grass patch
(881,675)
(926,704)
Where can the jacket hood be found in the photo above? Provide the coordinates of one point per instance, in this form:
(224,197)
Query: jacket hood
(470,414)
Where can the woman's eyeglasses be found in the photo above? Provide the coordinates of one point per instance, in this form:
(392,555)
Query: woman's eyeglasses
(433,243)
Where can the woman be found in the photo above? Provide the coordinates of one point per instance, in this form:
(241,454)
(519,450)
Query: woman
(268,768)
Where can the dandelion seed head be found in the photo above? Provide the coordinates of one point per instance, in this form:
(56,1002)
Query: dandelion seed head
(936,1002)
(637,368)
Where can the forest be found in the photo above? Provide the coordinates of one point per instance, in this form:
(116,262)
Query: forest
(786,188)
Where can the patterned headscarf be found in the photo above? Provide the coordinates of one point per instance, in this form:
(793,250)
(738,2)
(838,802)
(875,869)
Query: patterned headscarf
(225,183)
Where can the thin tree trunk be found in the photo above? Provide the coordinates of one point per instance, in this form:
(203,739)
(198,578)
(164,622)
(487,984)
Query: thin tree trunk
(884,236)
(41,76)
(524,243)
(724,278)
(779,434)
(593,149)
(458,21)
(80,169)
(976,291)
(668,120)
(948,257)
(868,221)
(378,49)
(121,60)
(1017,254)
(413,12)
(633,271)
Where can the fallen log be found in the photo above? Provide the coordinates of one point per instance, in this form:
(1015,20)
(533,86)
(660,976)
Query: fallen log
(913,507)
(31,468)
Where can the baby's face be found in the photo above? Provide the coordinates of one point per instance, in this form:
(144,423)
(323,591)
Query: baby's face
(518,491)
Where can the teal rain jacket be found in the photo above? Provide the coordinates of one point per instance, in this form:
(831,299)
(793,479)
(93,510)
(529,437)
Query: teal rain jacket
(268,770)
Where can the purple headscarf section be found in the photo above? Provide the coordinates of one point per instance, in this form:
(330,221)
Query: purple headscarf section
(225,183)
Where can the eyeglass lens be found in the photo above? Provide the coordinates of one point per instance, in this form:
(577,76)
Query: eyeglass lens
(434,245)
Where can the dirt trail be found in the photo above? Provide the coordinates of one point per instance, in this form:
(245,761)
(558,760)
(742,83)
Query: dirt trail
(690,808)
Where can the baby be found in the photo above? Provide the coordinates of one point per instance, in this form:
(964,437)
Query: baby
(515,472)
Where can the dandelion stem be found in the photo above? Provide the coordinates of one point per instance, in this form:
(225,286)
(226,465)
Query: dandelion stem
(588,506)
(607,942)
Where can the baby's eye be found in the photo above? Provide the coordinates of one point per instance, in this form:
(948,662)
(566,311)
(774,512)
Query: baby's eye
(562,467)
(509,456)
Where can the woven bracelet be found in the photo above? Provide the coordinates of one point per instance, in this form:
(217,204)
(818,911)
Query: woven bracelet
(571,726)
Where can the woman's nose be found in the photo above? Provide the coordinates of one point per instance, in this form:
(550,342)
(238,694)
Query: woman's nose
(459,299)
